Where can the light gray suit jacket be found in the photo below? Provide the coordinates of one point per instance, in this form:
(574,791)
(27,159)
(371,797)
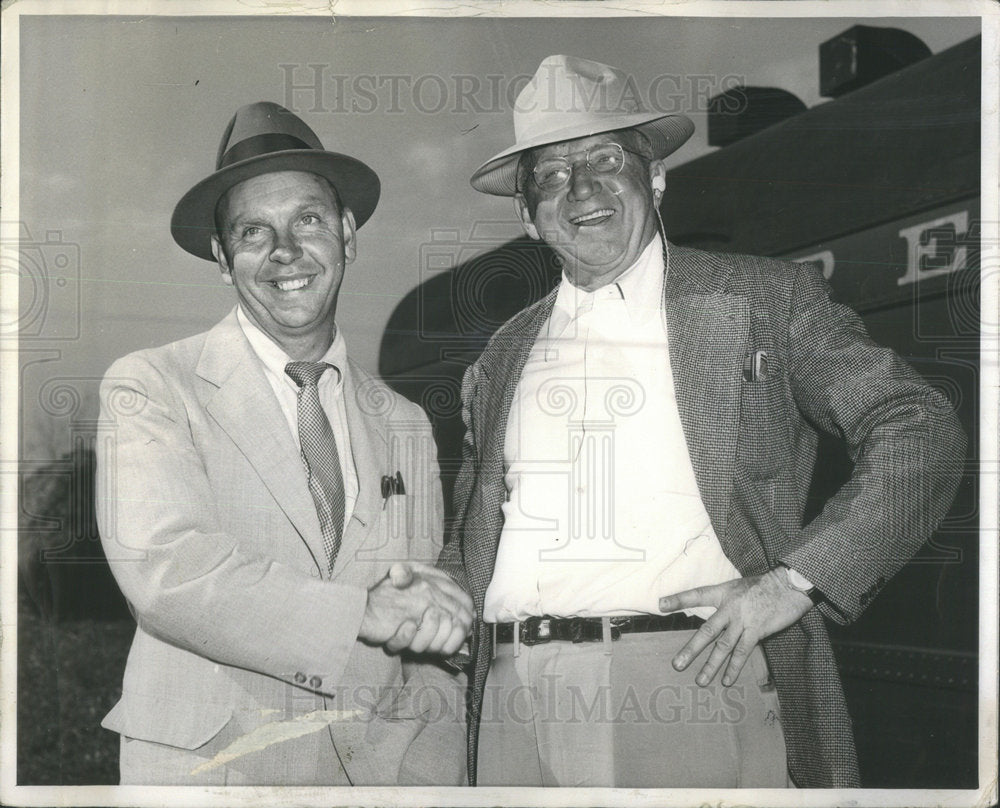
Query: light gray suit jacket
(209,527)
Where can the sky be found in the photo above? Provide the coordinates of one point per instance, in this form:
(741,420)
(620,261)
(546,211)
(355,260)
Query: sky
(119,116)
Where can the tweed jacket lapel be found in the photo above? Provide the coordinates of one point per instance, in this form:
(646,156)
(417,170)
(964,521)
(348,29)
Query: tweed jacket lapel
(369,444)
(245,407)
(508,355)
(708,331)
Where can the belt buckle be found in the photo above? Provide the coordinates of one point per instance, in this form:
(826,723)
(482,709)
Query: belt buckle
(535,631)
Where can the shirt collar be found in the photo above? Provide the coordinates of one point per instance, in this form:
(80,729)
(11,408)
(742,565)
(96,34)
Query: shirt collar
(640,286)
(275,359)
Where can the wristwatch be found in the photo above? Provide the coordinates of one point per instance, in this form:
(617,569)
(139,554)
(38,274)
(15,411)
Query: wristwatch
(802,584)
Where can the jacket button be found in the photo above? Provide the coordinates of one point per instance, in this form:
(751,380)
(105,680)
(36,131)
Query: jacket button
(315,682)
(300,678)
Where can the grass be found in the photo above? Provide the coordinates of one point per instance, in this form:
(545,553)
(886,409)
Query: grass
(69,677)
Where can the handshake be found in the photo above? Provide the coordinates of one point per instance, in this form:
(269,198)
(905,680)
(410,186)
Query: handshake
(417,608)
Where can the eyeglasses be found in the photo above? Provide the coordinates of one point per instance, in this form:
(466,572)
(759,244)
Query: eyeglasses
(606,159)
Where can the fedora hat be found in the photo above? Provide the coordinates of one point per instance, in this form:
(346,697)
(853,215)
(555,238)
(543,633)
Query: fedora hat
(264,137)
(570,98)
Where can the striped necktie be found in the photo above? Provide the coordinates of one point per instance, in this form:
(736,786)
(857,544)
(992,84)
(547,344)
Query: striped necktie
(319,454)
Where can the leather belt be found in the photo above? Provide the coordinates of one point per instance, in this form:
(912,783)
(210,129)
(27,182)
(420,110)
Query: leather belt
(537,630)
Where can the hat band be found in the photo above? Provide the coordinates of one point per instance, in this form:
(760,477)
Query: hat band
(260,144)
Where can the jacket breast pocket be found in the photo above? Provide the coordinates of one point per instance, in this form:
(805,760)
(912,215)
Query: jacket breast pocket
(763,432)
(411,524)
(401,532)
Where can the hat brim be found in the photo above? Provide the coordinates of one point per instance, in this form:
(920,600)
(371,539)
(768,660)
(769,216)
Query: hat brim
(193,221)
(666,133)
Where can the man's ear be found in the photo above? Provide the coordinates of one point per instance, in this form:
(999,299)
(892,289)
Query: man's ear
(222,260)
(350,235)
(657,179)
(521,209)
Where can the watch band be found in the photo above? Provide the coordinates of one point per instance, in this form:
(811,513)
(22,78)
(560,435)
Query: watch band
(799,582)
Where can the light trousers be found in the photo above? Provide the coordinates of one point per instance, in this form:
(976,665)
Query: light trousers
(617,714)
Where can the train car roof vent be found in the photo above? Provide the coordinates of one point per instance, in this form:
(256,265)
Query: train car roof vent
(863,54)
(743,111)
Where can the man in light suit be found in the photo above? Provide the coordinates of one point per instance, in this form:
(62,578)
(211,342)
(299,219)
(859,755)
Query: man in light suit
(271,512)
(639,447)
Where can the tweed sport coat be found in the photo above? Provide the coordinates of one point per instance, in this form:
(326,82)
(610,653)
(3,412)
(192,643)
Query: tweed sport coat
(753,447)
(210,529)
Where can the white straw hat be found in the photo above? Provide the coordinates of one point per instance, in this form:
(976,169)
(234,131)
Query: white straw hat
(570,98)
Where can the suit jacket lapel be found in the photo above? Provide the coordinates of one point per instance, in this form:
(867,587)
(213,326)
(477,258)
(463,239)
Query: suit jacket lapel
(708,331)
(369,445)
(245,407)
(492,408)
(513,346)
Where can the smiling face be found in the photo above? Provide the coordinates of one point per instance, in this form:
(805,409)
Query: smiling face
(598,223)
(283,243)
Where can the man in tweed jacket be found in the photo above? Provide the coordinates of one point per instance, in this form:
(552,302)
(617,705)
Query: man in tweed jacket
(747,360)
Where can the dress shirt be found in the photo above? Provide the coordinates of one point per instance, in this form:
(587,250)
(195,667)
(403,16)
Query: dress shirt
(603,515)
(331,387)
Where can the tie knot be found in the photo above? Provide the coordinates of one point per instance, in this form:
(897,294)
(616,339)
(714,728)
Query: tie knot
(305,374)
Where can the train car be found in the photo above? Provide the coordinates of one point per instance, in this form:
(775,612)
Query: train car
(881,187)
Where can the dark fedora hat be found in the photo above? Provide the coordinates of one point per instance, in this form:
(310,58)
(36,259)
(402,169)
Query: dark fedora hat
(264,137)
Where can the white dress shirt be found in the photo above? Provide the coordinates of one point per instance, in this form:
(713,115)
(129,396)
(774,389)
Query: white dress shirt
(603,515)
(331,387)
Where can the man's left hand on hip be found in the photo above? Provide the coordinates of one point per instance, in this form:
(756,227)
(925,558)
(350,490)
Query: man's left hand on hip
(747,611)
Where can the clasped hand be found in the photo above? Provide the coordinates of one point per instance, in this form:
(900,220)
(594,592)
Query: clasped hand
(747,611)
(418,608)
